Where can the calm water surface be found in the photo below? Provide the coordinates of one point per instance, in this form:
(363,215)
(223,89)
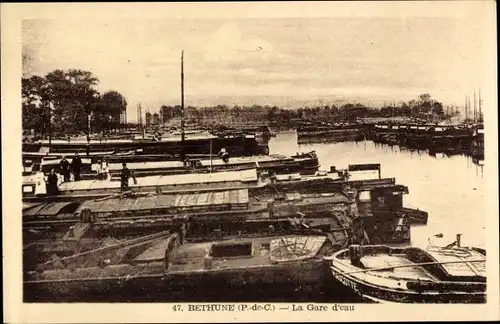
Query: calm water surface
(450,189)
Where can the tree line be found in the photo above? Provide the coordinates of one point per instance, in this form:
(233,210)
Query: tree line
(63,102)
(423,108)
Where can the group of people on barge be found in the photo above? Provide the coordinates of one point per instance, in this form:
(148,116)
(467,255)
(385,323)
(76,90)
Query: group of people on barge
(75,166)
(50,185)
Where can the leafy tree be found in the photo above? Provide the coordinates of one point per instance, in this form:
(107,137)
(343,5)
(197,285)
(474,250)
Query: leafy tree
(108,111)
(35,107)
(156,119)
(437,108)
(73,98)
(69,97)
(425,97)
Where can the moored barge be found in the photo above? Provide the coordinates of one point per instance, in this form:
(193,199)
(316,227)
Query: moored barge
(382,273)
(303,163)
(236,144)
(162,267)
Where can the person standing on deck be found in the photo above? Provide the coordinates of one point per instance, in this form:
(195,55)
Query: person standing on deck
(124,176)
(76,166)
(99,170)
(224,155)
(105,170)
(183,158)
(64,166)
(52,181)
(40,183)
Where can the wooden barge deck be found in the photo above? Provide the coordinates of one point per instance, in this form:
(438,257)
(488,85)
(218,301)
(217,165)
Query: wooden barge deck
(200,182)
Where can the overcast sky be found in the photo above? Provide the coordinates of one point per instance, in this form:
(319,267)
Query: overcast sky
(286,62)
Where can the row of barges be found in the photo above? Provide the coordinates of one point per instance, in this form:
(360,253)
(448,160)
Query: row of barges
(239,222)
(98,241)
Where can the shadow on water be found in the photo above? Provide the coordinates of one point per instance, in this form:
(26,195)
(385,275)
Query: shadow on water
(450,188)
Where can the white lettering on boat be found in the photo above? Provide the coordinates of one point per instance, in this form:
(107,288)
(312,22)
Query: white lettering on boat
(348,283)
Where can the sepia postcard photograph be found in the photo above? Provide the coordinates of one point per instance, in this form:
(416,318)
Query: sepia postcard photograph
(253,161)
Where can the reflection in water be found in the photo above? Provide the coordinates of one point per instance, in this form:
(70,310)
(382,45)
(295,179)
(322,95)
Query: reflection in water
(450,188)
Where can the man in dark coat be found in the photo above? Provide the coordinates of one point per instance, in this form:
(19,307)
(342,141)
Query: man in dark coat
(76,166)
(124,176)
(64,166)
(52,183)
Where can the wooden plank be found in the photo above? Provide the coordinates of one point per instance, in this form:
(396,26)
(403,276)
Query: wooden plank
(237,197)
(243,196)
(218,198)
(136,201)
(48,209)
(179,200)
(126,204)
(155,252)
(226,197)
(34,211)
(232,197)
(192,199)
(98,205)
(54,208)
(202,199)
(148,203)
(110,205)
(183,202)
(165,200)
(210,198)
(139,203)
(28,205)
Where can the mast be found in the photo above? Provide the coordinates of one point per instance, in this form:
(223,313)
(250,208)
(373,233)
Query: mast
(465,107)
(182,104)
(475,105)
(480,116)
(469,104)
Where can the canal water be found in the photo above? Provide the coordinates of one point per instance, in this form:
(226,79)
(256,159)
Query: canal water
(449,188)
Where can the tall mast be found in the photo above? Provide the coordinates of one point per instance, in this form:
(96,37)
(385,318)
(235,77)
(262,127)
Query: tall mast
(182,103)
(469,104)
(465,107)
(475,105)
(480,116)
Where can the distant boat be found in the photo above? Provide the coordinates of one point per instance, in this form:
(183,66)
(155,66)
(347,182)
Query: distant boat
(451,274)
